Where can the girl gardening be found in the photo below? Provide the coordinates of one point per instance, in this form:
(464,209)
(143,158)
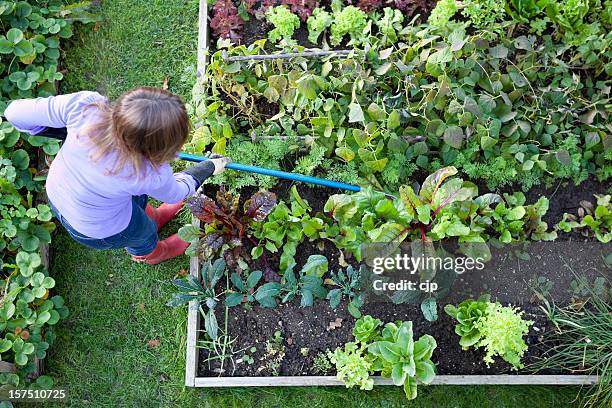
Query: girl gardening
(114,157)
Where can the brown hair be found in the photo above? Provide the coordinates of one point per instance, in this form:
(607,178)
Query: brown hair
(144,124)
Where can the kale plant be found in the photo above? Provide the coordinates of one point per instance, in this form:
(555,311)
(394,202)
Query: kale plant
(348,283)
(204,292)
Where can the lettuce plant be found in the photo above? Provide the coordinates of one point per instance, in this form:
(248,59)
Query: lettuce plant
(392,352)
(467,314)
(366,329)
(442,13)
(226,224)
(499,329)
(284,22)
(368,5)
(303,8)
(399,357)
(352,366)
(226,23)
(502,331)
(409,7)
(591,221)
(317,23)
(350,21)
(484,14)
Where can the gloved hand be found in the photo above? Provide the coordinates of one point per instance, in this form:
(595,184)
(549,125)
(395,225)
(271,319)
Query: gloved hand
(203,170)
(220,162)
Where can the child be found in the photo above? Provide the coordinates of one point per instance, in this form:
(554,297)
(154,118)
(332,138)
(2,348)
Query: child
(114,157)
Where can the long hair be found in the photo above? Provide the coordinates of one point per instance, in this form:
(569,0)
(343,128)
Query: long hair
(144,126)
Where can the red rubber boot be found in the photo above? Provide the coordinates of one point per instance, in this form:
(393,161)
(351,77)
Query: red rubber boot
(169,248)
(163,214)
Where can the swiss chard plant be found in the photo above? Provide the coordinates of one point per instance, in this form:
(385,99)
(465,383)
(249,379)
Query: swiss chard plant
(226,224)
(591,220)
(285,228)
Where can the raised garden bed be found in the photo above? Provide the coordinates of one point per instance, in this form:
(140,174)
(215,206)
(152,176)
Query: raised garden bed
(308,332)
(510,280)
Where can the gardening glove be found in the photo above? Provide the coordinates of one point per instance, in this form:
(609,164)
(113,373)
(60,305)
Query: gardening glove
(220,162)
(203,170)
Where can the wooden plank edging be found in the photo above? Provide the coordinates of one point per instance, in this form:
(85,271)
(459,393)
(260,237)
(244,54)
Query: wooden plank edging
(193,322)
(507,379)
(202,38)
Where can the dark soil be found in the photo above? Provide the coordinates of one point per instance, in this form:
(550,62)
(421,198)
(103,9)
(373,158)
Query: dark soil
(511,277)
(306,333)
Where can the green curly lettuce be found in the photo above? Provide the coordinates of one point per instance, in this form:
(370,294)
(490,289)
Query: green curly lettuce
(350,20)
(502,330)
(284,21)
(442,13)
(352,366)
(484,14)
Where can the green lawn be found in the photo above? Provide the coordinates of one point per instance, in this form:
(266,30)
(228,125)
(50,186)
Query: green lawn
(102,354)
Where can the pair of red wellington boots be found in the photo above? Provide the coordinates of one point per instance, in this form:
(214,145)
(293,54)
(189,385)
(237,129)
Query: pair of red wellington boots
(170,247)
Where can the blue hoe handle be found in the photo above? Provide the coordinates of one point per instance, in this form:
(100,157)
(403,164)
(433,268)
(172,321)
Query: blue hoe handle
(277,173)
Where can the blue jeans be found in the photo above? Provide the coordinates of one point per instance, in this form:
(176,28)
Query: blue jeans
(139,237)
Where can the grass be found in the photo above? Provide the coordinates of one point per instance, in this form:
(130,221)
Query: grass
(104,356)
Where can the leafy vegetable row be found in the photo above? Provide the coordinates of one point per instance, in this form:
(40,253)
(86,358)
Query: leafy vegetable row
(511,110)
(29,58)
